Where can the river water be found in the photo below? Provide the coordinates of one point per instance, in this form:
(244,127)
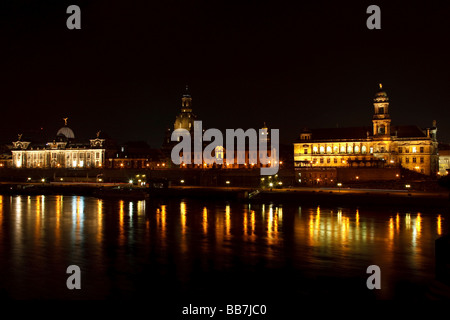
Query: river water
(186,249)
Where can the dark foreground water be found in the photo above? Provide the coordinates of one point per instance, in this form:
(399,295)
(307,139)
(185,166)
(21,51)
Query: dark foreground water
(190,250)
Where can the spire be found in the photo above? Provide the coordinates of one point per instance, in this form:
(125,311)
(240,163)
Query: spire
(186,92)
(65,121)
(186,101)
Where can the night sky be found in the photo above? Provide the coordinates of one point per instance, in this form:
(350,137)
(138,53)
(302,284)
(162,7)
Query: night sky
(289,64)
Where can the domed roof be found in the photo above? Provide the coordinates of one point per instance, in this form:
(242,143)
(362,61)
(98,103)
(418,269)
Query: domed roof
(381,95)
(66,132)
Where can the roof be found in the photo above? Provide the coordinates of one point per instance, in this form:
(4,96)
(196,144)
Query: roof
(364,132)
(407,132)
(67,132)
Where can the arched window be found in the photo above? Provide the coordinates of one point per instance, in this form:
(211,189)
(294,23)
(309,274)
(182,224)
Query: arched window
(322,149)
(363,149)
(328,149)
(349,149)
(342,149)
(356,149)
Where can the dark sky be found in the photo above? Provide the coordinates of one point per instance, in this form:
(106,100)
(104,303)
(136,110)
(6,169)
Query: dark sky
(289,64)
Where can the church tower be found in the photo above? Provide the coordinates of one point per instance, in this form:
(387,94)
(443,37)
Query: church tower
(185,120)
(381,119)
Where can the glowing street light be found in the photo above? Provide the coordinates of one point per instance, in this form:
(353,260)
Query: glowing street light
(227,182)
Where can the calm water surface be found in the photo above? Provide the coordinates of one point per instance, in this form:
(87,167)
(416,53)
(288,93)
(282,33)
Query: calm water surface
(175,249)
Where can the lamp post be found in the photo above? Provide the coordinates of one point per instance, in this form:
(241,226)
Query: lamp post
(339,185)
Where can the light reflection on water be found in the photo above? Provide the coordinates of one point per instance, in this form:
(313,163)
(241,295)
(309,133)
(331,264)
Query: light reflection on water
(122,244)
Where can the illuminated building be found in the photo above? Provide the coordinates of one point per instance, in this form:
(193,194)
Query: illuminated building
(382,145)
(444,159)
(185,120)
(62,152)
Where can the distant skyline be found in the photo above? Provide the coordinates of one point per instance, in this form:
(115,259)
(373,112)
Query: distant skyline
(291,65)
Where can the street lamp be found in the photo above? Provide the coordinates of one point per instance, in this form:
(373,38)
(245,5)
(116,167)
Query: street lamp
(339,185)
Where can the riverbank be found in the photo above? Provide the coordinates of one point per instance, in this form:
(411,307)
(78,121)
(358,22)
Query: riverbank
(312,196)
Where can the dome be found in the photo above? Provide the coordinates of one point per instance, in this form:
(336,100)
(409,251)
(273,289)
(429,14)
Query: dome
(381,95)
(66,132)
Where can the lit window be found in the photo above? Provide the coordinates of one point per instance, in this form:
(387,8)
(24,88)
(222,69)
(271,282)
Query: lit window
(342,149)
(328,149)
(336,149)
(371,150)
(349,149)
(356,149)
(322,149)
(363,149)
(314,149)
(421,149)
(414,160)
(414,149)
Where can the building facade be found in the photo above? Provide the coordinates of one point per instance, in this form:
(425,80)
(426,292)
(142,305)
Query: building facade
(379,146)
(62,152)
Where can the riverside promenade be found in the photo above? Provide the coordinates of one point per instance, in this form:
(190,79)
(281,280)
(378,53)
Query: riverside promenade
(307,195)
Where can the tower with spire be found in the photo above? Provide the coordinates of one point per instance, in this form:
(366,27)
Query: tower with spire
(186,118)
(381,119)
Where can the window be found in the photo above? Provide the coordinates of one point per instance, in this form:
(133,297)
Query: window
(381,110)
(371,149)
(335,160)
(356,149)
(414,149)
(399,149)
(407,150)
(400,160)
(421,160)
(321,160)
(406,160)
(363,149)
(328,149)
(349,149)
(322,150)
(421,149)
(328,160)
(336,149)
(414,160)
(305,151)
(315,150)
